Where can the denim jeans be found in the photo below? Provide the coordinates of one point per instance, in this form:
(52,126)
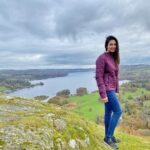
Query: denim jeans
(112,114)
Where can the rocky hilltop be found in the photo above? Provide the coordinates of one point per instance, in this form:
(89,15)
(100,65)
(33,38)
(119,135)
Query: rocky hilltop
(27,124)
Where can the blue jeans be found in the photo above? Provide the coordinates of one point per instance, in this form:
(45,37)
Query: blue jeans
(112,114)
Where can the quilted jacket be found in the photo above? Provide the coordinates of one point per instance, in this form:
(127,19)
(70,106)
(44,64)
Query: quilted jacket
(106,74)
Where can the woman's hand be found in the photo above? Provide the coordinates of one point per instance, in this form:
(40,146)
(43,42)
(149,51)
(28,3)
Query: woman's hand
(104,100)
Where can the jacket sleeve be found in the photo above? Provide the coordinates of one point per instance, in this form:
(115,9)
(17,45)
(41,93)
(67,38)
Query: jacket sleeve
(117,81)
(100,66)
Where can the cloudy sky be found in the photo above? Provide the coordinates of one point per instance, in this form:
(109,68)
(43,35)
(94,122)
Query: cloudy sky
(71,33)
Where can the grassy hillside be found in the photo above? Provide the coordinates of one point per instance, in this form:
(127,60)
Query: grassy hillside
(29,124)
(90,106)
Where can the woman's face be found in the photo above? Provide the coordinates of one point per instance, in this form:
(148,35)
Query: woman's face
(111,46)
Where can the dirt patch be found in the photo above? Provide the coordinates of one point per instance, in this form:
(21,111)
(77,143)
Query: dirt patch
(71,105)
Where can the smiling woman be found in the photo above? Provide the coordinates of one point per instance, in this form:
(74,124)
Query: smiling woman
(107,69)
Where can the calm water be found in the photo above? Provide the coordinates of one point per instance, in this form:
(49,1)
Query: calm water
(53,85)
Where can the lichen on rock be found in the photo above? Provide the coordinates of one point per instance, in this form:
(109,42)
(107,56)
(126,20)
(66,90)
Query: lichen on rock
(27,124)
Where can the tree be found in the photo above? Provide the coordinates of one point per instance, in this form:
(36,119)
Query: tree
(81,91)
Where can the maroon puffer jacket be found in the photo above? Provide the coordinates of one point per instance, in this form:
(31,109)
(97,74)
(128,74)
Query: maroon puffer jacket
(106,74)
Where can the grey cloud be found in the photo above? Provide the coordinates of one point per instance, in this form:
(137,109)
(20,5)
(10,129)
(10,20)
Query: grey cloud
(68,31)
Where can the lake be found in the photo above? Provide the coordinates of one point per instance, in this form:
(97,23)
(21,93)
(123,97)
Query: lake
(52,85)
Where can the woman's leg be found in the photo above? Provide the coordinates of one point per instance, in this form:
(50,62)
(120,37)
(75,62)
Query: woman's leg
(107,117)
(114,105)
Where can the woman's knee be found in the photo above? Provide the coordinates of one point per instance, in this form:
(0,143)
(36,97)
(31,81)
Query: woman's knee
(119,113)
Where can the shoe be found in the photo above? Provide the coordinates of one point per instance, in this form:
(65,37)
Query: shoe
(109,142)
(115,140)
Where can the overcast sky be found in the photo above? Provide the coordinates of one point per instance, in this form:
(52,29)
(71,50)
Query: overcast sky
(71,33)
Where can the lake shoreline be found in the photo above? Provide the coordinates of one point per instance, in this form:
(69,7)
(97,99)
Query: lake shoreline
(53,85)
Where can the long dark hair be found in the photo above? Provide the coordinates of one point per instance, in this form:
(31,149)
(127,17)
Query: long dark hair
(115,54)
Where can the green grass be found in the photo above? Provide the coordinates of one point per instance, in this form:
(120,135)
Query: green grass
(138,92)
(87,102)
(90,102)
(3,88)
(34,120)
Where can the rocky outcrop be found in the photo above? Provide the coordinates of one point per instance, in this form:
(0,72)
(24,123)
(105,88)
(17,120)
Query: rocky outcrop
(27,124)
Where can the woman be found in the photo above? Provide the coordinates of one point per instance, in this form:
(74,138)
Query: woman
(107,70)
